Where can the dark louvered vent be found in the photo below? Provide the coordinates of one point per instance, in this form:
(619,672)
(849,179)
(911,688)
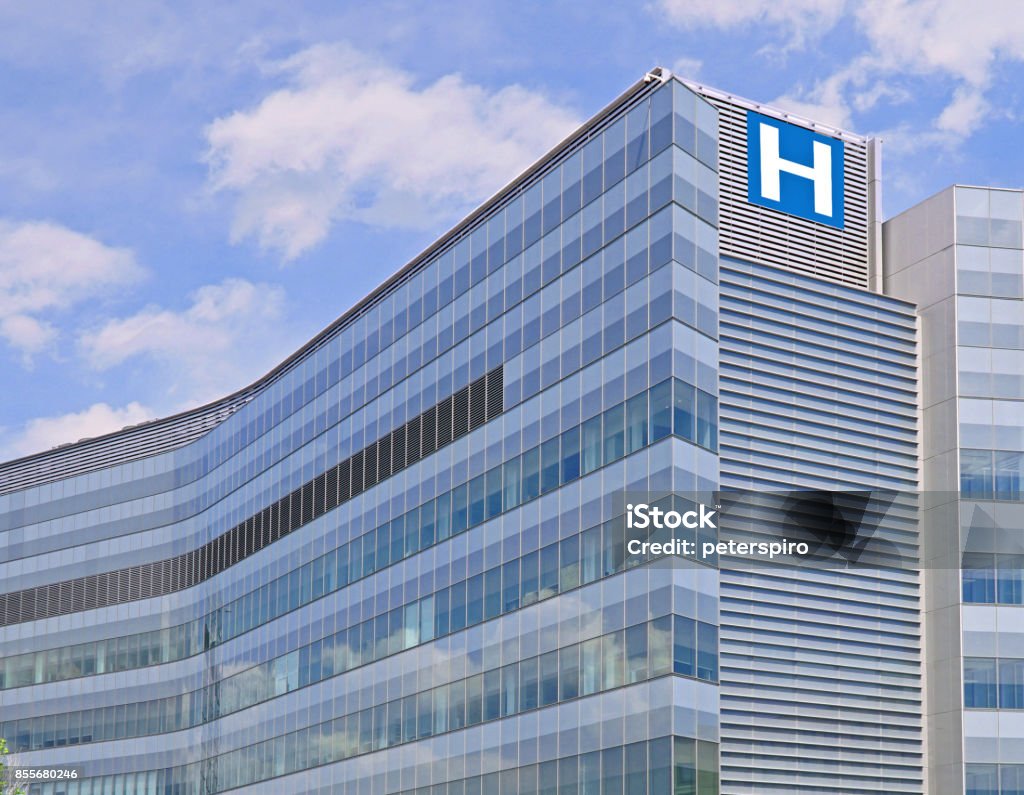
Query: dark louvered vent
(477,404)
(455,416)
(444,422)
(357,473)
(429,431)
(384,466)
(495,392)
(344,481)
(460,412)
(412,441)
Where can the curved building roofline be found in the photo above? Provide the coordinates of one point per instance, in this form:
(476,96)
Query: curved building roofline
(160,435)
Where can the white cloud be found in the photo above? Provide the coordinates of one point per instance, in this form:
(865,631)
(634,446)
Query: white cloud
(46,269)
(905,40)
(26,333)
(687,67)
(797,17)
(964,114)
(826,106)
(352,138)
(228,335)
(42,433)
(952,36)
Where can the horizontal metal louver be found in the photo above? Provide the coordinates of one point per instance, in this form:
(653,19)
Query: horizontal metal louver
(129,445)
(760,234)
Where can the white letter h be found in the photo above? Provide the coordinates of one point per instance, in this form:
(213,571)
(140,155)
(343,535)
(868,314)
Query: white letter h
(772,165)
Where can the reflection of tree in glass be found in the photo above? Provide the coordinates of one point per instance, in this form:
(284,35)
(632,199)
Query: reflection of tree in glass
(6,787)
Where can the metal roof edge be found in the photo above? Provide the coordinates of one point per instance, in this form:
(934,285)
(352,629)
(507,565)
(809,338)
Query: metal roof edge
(771,110)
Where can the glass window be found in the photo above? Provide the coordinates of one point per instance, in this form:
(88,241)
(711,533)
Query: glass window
(510,585)
(570,451)
(707,768)
(1005,221)
(661,410)
(510,689)
(492,593)
(532,224)
(707,651)
(684,410)
(548,571)
(611,771)
(444,512)
(569,563)
(614,545)
(456,705)
(684,764)
(477,493)
(684,646)
(614,153)
(592,441)
(474,699)
(547,779)
(590,666)
(427,525)
(614,265)
(592,238)
(982,779)
(550,465)
(492,695)
(528,675)
(637,129)
(569,672)
(614,215)
(659,644)
(460,508)
(707,420)
(510,484)
(1011,684)
(457,612)
(614,433)
(1007,266)
(1009,469)
(1010,579)
(593,161)
(591,558)
(636,653)
(474,600)
(530,578)
(979,682)
(636,422)
(572,175)
(531,474)
(637,193)
(1011,779)
(979,577)
(549,678)
(972,270)
(614,659)
(976,477)
(590,773)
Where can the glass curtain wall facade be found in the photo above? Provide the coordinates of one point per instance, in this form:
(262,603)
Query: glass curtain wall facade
(959,255)
(396,566)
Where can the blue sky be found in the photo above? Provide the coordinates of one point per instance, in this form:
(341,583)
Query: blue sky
(190,191)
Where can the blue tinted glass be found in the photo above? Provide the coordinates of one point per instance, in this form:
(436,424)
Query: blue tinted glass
(684,646)
(979,682)
(979,576)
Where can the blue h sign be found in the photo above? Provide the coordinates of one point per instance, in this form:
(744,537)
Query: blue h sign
(795,170)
